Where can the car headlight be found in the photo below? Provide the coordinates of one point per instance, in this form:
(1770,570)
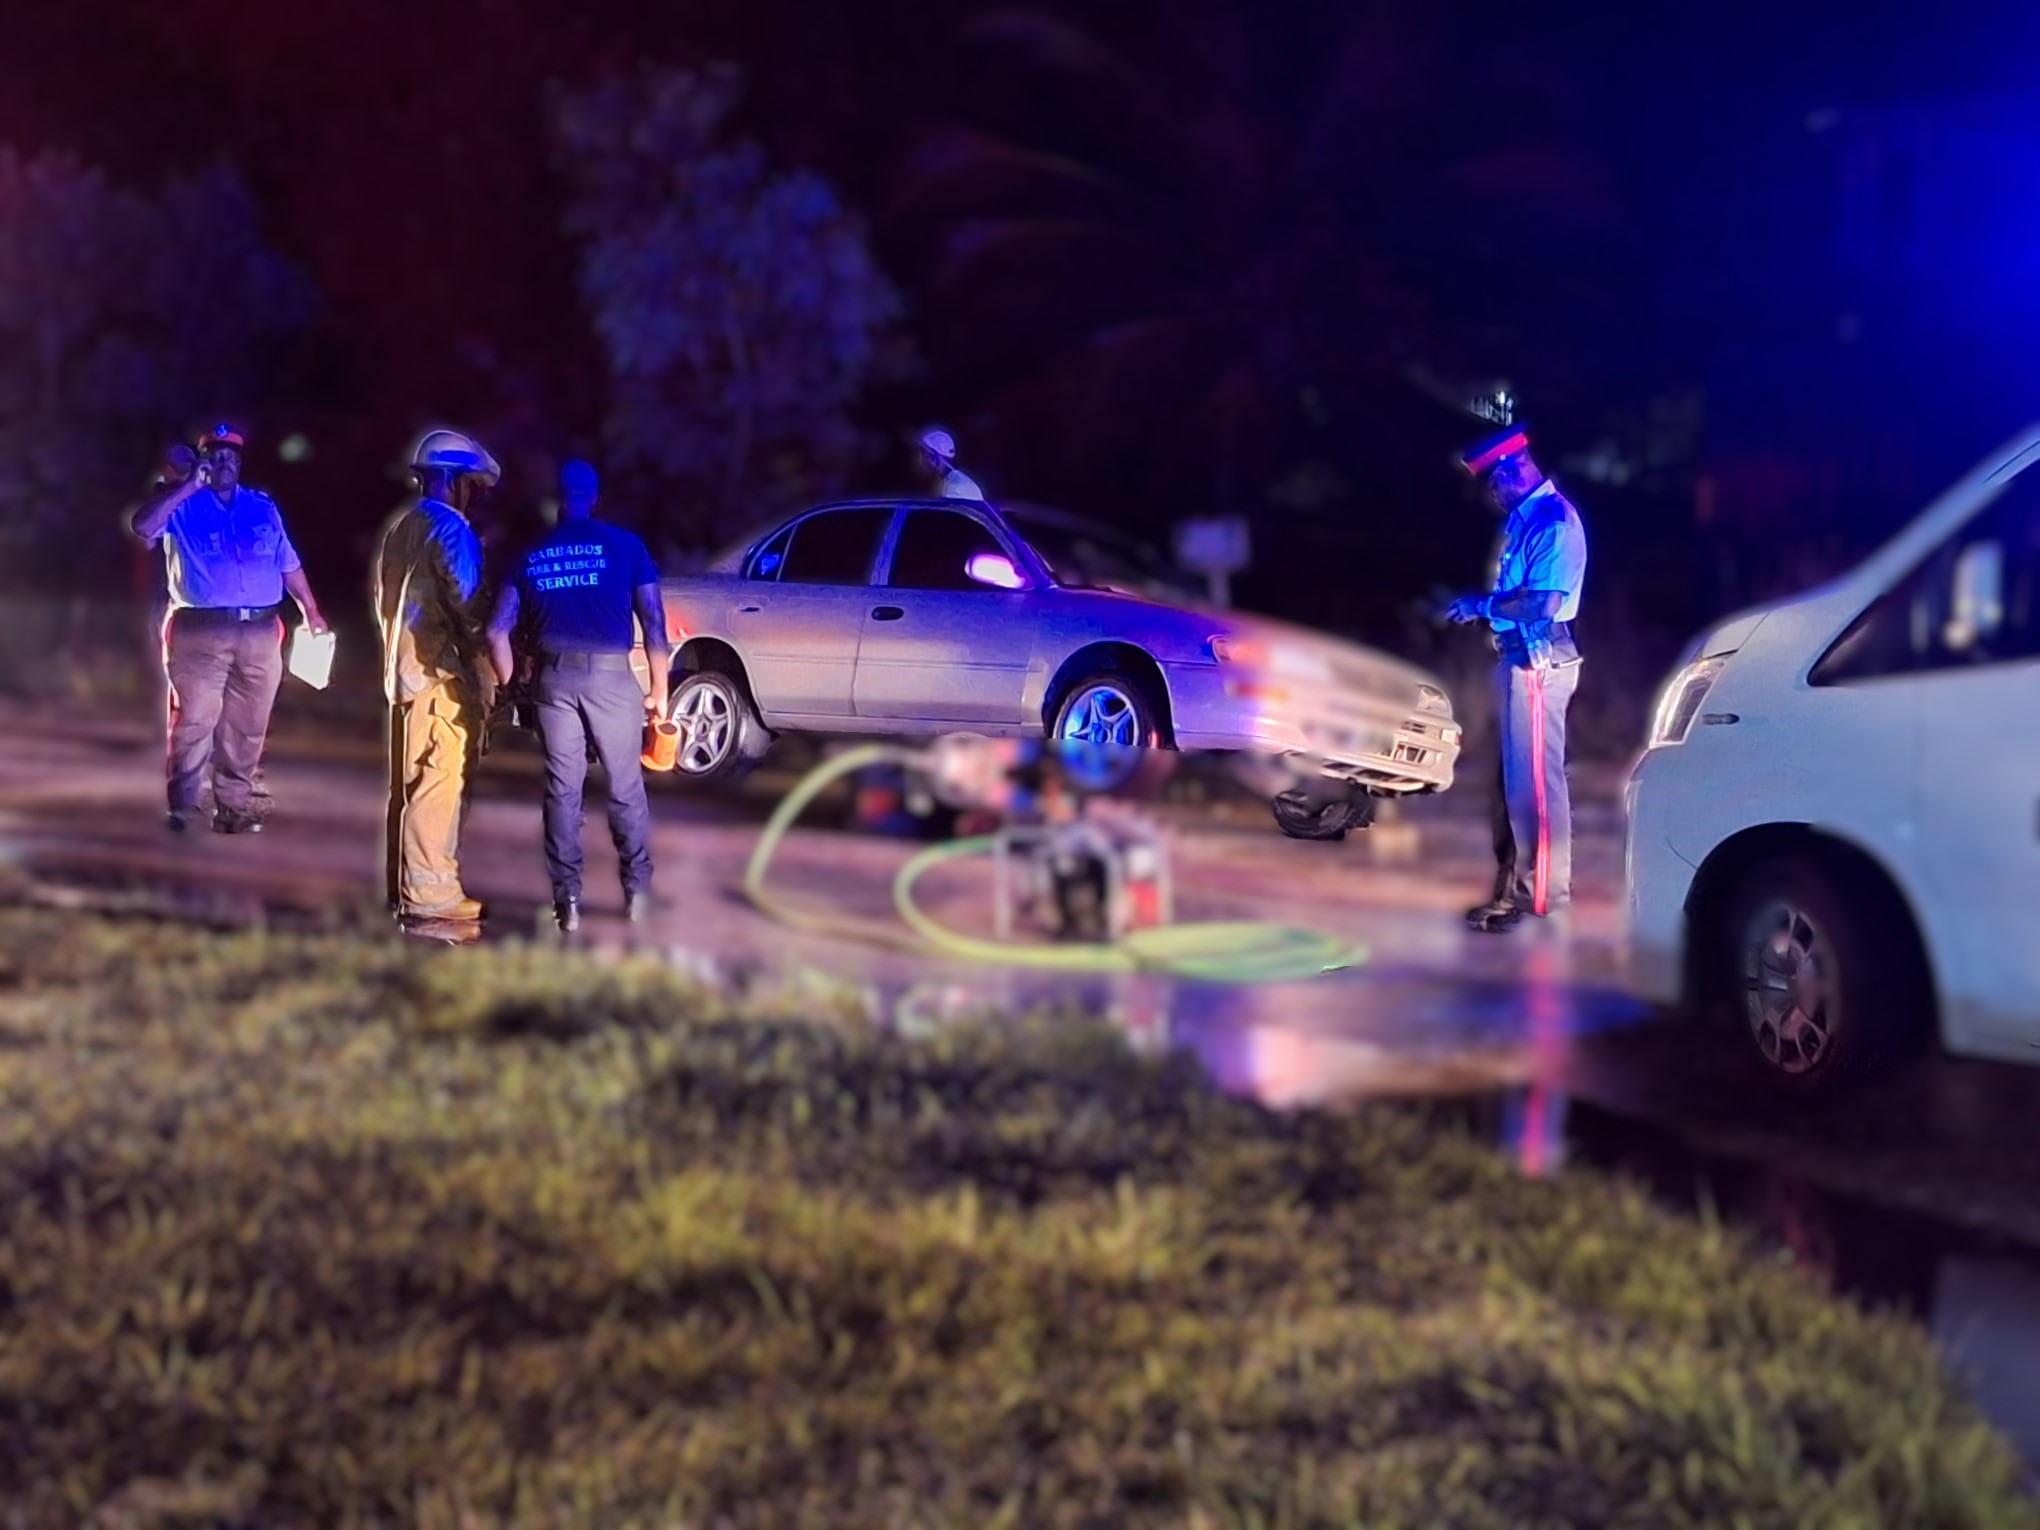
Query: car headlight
(1232,650)
(1280,659)
(1682,699)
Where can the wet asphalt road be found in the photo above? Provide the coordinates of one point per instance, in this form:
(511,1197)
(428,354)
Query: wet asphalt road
(1434,1010)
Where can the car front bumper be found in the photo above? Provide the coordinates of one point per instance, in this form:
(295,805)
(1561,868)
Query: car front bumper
(1369,741)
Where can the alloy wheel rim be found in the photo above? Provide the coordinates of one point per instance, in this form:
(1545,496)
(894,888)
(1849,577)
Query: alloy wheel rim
(1100,732)
(707,726)
(1102,714)
(1788,988)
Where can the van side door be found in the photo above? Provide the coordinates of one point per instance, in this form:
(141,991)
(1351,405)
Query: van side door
(1964,632)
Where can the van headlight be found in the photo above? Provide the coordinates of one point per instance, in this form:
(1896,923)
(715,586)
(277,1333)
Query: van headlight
(1682,699)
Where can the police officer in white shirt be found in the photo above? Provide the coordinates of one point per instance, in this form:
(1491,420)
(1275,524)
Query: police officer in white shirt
(938,455)
(1535,599)
(230,564)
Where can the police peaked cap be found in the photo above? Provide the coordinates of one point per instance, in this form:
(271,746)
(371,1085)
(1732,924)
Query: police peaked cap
(1500,446)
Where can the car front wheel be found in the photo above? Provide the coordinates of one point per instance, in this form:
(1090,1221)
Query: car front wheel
(1820,974)
(720,735)
(1106,732)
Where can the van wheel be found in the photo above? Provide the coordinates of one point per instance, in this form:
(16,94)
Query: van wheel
(720,735)
(1823,982)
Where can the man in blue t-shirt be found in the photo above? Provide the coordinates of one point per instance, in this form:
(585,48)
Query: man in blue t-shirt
(580,587)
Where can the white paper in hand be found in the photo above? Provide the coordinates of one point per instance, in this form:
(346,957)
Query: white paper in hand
(311,656)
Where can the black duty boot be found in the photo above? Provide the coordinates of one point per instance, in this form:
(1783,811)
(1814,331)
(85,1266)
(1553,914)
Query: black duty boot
(1495,916)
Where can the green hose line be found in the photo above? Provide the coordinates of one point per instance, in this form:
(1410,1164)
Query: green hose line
(1231,952)
(782,820)
(1227,952)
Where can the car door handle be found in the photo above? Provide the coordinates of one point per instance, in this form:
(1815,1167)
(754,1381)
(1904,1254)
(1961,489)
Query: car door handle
(887,613)
(751,607)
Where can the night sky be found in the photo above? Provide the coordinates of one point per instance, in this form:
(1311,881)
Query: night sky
(397,149)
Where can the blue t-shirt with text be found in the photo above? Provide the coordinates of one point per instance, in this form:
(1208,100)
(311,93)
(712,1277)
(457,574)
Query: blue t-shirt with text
(577,586)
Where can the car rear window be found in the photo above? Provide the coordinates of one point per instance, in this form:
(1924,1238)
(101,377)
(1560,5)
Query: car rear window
(836,546)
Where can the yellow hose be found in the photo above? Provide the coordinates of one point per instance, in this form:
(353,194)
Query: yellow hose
(1227,952)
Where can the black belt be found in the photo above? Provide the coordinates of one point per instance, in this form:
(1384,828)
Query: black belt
(582,659)
(225,615)
(1560,648)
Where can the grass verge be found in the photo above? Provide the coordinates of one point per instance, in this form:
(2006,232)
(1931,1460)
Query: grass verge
(304,1231)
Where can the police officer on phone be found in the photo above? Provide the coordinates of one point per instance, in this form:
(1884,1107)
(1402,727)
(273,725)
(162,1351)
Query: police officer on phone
(580,587)
(230,563)
(1530,612)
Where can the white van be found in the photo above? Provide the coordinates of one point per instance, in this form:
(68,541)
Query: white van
(1834,830)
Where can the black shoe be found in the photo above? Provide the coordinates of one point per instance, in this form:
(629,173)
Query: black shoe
(568,912)
(1495,916)
(236,823)
(177,823)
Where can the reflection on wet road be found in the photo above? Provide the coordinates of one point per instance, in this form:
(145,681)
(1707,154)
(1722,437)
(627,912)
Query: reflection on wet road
(1530,1035)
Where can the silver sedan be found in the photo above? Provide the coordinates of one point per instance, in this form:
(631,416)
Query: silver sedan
(925,617)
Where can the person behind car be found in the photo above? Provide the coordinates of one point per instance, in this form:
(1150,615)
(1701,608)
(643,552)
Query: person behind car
(1530,611)
(938,459)
(582,585)
(436,679)
(229,563)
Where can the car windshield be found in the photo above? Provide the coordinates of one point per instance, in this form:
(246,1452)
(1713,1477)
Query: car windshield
(1097,557)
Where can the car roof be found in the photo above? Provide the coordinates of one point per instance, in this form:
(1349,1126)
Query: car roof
(888,502)
(1016,515)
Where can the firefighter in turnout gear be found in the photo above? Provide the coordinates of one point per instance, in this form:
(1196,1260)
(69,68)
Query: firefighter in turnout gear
(437,679)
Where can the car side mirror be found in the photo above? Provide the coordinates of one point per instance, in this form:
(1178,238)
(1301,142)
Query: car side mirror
(996,570)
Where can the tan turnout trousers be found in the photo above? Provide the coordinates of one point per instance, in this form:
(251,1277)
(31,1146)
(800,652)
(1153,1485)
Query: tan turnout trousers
(426,585)
(435,742)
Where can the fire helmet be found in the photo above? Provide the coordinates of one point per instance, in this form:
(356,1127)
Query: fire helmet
(448,451)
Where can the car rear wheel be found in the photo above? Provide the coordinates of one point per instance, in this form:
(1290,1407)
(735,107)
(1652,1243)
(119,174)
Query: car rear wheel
(1821,974)
(720,735)
(1107,733)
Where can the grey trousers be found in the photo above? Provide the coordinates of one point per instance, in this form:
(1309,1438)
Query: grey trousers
(1533,805)
(223,682)
(605,707)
